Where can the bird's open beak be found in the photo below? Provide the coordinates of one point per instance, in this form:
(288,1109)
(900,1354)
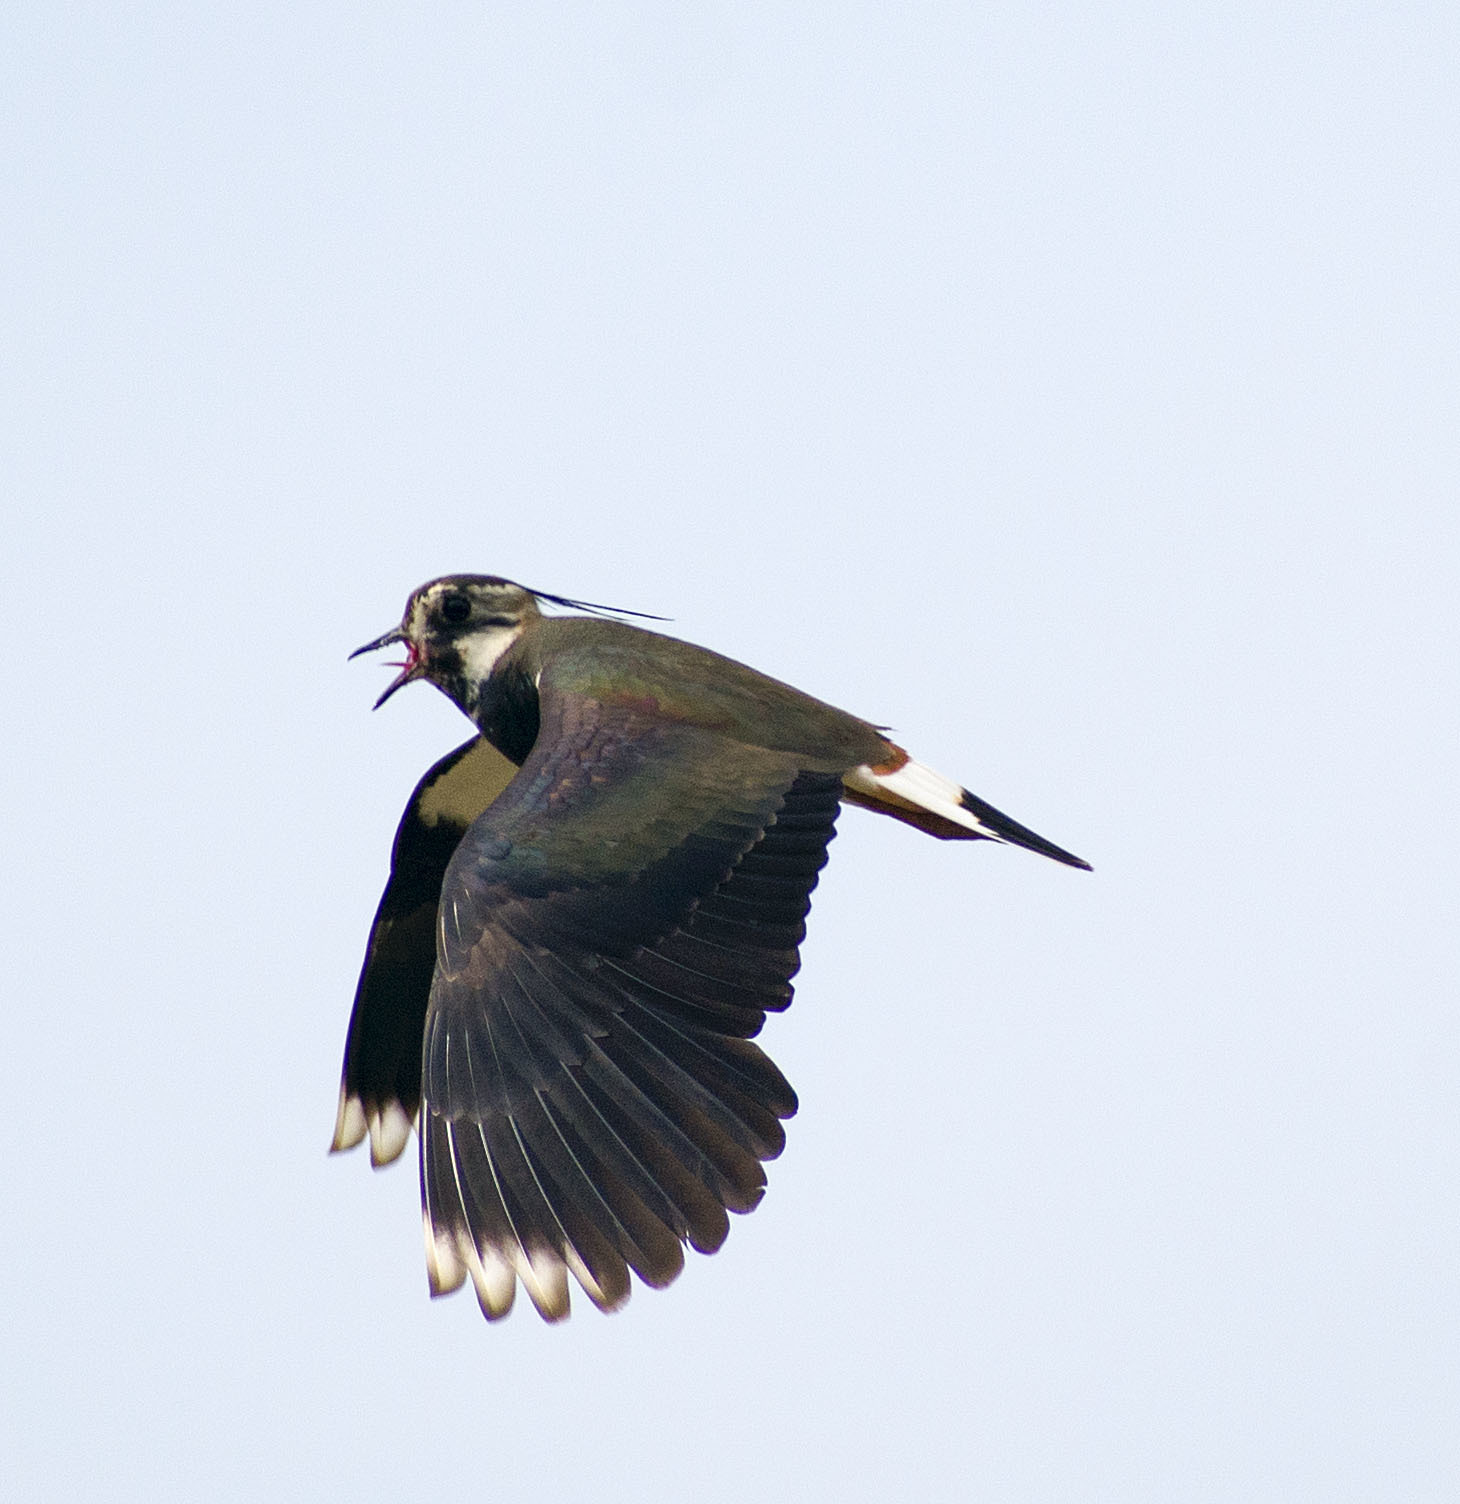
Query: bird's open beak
(412,668)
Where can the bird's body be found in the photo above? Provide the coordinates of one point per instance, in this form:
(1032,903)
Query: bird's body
(590,910)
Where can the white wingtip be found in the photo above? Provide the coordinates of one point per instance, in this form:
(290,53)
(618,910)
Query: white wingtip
(544,1276)
(349,1123)
(591,1286)
(445,1269)
(390,1132)
(495,1283)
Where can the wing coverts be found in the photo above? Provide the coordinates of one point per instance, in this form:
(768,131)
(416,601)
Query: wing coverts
(592,1100)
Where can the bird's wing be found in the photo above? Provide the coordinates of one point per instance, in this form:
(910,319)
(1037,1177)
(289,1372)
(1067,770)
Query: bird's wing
(380,1084)
(613,930)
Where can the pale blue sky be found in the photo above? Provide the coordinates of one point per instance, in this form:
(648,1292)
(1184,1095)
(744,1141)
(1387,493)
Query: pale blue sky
(1074,388)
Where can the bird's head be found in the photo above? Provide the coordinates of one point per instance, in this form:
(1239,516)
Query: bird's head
(454,630)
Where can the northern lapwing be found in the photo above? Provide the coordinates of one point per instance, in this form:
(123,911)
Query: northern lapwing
(592,905)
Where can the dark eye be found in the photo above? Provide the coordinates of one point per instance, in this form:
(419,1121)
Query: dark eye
(455,609)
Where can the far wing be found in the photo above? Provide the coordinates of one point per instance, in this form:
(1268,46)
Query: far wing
(613,930)
(380,1086)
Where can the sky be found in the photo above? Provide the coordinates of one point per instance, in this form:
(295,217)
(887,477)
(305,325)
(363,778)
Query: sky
(1072,388)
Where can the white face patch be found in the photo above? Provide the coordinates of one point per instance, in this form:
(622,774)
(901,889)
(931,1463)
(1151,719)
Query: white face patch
(481,650)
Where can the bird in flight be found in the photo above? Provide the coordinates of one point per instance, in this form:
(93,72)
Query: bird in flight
(592,905)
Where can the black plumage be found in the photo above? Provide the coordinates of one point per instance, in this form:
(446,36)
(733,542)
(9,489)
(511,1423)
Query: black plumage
(571,960)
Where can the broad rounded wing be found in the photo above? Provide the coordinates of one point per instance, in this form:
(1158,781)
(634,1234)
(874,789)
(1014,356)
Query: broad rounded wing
(613,930)
(380,1084)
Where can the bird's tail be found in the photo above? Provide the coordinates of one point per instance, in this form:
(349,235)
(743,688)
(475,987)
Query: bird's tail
(918,796)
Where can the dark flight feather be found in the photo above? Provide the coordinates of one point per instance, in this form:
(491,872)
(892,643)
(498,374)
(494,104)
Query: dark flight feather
(382,1068)
(587,1037)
